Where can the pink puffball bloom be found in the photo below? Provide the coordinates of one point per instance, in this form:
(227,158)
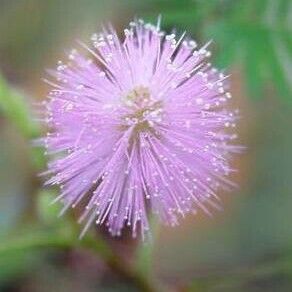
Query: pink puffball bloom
(138,125)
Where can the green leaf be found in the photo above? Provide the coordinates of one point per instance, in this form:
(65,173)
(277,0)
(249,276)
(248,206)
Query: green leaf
(221,33)
(254,65)
(34,239)
(48,212)
(144,254)
(14,107)
(15,262)
(60,236)
(276,61)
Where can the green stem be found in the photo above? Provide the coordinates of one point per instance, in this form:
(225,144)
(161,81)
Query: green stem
(118,264)
(98,245)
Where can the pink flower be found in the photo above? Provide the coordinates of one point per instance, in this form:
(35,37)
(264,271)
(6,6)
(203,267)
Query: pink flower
(141,125)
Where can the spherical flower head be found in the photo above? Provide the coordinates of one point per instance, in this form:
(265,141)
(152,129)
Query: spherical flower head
(138,125)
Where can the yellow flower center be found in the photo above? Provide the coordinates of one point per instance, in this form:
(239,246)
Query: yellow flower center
(145,111)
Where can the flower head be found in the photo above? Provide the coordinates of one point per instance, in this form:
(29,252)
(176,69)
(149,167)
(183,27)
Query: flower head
(139,125)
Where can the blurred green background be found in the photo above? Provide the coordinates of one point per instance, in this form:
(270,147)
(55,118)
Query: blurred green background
(247,247)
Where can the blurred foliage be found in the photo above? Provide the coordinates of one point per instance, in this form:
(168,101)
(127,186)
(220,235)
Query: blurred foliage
(14,106)
(255,34)
(47,212)
(24,245)
(145,252)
